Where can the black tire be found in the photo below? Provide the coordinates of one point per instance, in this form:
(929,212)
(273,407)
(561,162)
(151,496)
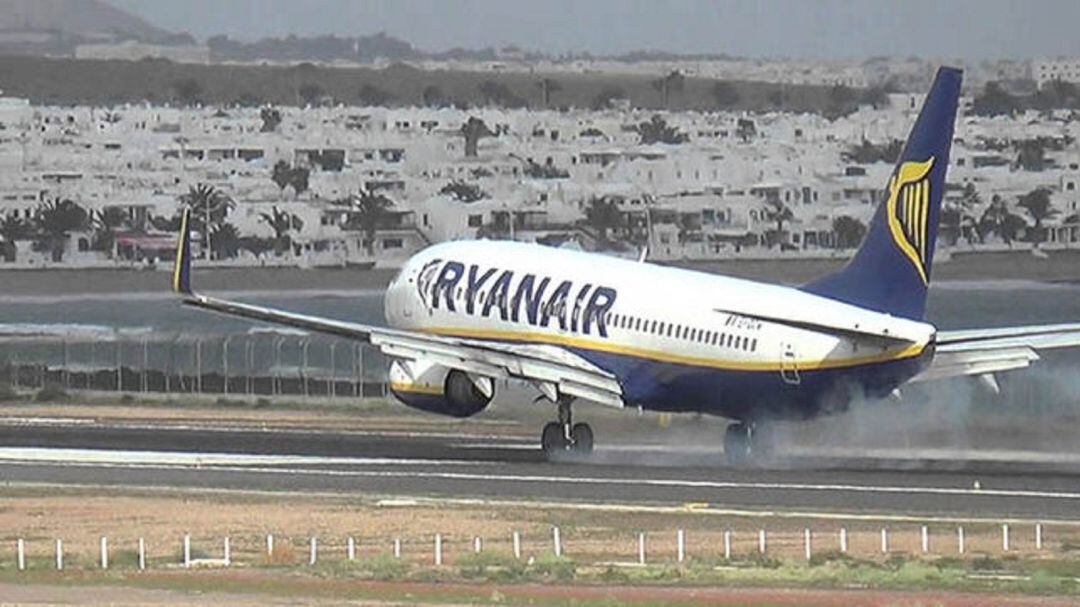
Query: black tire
(552,440)
(582,436)
(737,444)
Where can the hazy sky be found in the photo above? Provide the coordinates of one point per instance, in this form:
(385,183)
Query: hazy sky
(968,29)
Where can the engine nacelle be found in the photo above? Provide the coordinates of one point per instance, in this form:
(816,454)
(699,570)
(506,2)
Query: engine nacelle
(437,389)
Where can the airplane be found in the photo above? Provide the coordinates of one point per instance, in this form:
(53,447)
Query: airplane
(589,327)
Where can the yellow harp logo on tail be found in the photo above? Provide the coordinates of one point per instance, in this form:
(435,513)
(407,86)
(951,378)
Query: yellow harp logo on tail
(909,209)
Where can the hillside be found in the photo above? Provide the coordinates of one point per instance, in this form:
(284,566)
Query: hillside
(82,20)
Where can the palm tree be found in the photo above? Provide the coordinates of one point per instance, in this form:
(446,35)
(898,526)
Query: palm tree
(106,222)
(227,240)
(13,229)
(778,212)
(369,210)
(282,222)
(54,220)
(473,130)
(604,214)
(672,83)
(548,86)
(209,208)
(1038,205)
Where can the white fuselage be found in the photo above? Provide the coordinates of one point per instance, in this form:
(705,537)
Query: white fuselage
(636,317)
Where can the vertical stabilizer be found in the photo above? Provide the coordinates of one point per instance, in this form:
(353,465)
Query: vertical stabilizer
(891,270)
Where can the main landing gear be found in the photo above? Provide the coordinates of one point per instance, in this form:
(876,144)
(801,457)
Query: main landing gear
(565,438)
(746,443)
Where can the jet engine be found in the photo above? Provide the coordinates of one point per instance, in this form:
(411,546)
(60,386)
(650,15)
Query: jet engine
(437,389)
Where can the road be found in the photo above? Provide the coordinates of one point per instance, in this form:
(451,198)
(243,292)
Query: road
(446,464)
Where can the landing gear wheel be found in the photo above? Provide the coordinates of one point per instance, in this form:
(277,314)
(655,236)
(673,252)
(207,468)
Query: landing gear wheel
(737,444)
(581,437)
(553,439)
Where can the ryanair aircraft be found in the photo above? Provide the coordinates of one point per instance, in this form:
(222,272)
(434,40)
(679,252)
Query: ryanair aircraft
(585,326)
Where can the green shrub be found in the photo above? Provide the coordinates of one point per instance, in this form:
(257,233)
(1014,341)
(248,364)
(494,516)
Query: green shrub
(490,566)
(554,567)
(385,567)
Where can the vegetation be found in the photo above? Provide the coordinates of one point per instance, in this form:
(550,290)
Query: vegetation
(849,231)
(285,175)
(463,192)
(209,209)
(779,213)
(603,214)
(1037,204)
(368,211)
(869,153)
(657,130)
(282,222)
(55,220)
(674,82)
(108,83)
(473,131)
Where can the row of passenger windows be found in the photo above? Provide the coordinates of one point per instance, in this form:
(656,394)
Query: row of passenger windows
(670,329)
(658,327)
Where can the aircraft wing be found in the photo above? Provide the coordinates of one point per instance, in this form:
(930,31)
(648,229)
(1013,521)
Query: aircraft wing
(985,351)
(551,369)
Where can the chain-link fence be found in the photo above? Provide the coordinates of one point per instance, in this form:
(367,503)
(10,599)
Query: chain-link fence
(269,363)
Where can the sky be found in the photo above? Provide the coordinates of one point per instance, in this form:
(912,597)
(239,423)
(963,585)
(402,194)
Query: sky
(813,29)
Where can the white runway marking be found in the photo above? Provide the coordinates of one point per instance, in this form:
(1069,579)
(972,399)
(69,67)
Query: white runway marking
(182,459)
(255,464)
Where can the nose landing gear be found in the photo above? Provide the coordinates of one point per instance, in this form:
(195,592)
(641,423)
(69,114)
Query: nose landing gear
(564,437)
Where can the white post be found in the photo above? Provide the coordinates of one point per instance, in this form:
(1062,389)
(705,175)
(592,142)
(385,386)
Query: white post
(681,542)
(517,545)
(397,547)
(477,545)
(1005,537)
(556,540)
(142,554)
(925,539)
(727,545)
(350,548)
(641,548)
(884,540)
(438,549)
(960,539)
(20,554)
(1038,536)
(843,540)
(228,552)
(806,542)
(761,541)
(187,551)
(59,555)
(314,556)
(104,552)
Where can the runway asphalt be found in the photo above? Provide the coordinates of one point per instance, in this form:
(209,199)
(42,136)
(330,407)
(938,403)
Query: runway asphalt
(446,464)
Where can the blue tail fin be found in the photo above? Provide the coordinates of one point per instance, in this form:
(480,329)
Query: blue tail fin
(891,270)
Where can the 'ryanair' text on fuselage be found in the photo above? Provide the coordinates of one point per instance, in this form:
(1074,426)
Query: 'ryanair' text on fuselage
(516,297)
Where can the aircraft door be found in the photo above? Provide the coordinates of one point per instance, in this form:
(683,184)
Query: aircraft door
(789,367)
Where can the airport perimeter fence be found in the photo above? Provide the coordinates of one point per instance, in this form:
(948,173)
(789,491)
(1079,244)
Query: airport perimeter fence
(263,364)
(554,548)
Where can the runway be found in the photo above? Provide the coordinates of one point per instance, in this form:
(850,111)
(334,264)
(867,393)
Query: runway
(450,465)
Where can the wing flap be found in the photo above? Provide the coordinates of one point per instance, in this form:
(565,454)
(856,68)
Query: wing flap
(976,362)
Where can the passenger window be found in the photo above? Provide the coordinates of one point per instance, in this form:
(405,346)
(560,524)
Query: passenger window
(753,345)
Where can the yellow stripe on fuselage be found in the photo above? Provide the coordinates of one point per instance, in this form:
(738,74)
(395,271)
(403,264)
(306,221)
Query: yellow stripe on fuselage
(663,356)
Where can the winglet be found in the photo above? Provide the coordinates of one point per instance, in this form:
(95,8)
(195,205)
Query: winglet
(181,281)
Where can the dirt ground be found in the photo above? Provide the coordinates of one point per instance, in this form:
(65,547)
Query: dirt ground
(80,517)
